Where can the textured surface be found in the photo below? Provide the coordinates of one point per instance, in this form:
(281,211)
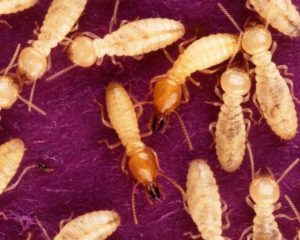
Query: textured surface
(86,175)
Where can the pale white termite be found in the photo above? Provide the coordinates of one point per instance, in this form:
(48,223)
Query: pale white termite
(293,207)
(264,191)
(97,225)
(280,14)
(272,92)
(231,135)
(204,201)
(13,6)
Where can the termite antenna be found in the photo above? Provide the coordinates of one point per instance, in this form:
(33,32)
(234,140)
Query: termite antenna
(293,207)
(135,218)
(231,19)
(42,228)
(184,130)
(6,23)
(14,185)
(36,108)
(251,160)
(236,51)
(286,171)
(61,72)
(31,95)
(113,20)
(13,60)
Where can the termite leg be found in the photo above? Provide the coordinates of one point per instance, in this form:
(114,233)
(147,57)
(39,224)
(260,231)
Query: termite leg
(248,125)
(65,221)
(217,90)
(108,145)
(123,164)
(291,84)
(210,71)
(216,104)
(181,48)
(152,81)
(254,99)
(245,232)
(277,206)
(49,62)
(36,30)
(6,23)
(192,236)
(168,56)
(249,6)
(250,236)
(227,225)
(225,206)
(285,216)
(138,57)
(140,106)
(285,70)
(211,128)
(124,22)
(113,20)
(249,202)
(186,94)
(194,82)
(274,47)
(104,121)
(117,63)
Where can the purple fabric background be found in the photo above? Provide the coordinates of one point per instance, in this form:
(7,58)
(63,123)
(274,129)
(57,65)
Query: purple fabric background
(86,175)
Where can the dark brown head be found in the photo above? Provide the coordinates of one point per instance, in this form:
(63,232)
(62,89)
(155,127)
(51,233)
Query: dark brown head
(167,97)
(143,166)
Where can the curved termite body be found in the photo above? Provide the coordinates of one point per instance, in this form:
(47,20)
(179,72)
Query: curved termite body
(9,92)
(11,155)
(264,191)
(61,17)
(143,161)
(133,39)
(203,53)
(272,91)
(97,225)
(13,6)
(230,135)
(280,14)
(204,201)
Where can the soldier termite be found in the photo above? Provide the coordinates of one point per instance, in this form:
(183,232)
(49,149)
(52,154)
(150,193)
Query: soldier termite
(293,207)
(231,135)
(143,162)
(61,17)
(272,92)
(204,201)
(200,55)
(264,192)
(280,14)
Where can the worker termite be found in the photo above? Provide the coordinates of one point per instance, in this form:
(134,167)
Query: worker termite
(280,14)
(13,6)
(264,192)
(293,207)
(231,135)
(272,92)
(204,201)
(143,162)
(201,54)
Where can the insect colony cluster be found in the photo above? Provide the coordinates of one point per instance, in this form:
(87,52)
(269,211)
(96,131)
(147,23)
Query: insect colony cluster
(273,97)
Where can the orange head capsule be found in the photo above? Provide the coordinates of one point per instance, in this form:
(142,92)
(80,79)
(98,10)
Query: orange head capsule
(264,189)
(256,39)
(167,97)
(9,91)
(82,52)
(143,166)
(235,81)
(32,64)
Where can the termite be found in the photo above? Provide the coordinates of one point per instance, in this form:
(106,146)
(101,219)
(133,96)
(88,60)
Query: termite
(199,56)
(94,225)
(13,6)
(280,14)
(204,201)
(293,207)
(272,92)
(143,161)
(231,127)
(264,195)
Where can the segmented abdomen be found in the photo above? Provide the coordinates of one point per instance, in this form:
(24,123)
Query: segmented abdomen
(11,154)
(203,200)
(139,37)
(13,6)
(62,15)
(94,225)
(230,137)
(265,227)
(122,114)
(204,53)
(283,16)
(275,101)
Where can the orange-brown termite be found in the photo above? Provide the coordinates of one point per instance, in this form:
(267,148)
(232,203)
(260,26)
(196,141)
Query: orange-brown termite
(280,14)
(204,201)
(293,207)
(272,92)
(143,161)
(199,56)
(264,195)
(231,132)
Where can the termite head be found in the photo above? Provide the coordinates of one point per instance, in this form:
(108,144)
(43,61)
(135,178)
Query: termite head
(235,81)
(167,97)
(264,189)
(256,39)
(9,91)
(31,64)
(143,166)
(82,52)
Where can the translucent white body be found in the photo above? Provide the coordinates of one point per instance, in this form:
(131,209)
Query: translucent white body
(13,6)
